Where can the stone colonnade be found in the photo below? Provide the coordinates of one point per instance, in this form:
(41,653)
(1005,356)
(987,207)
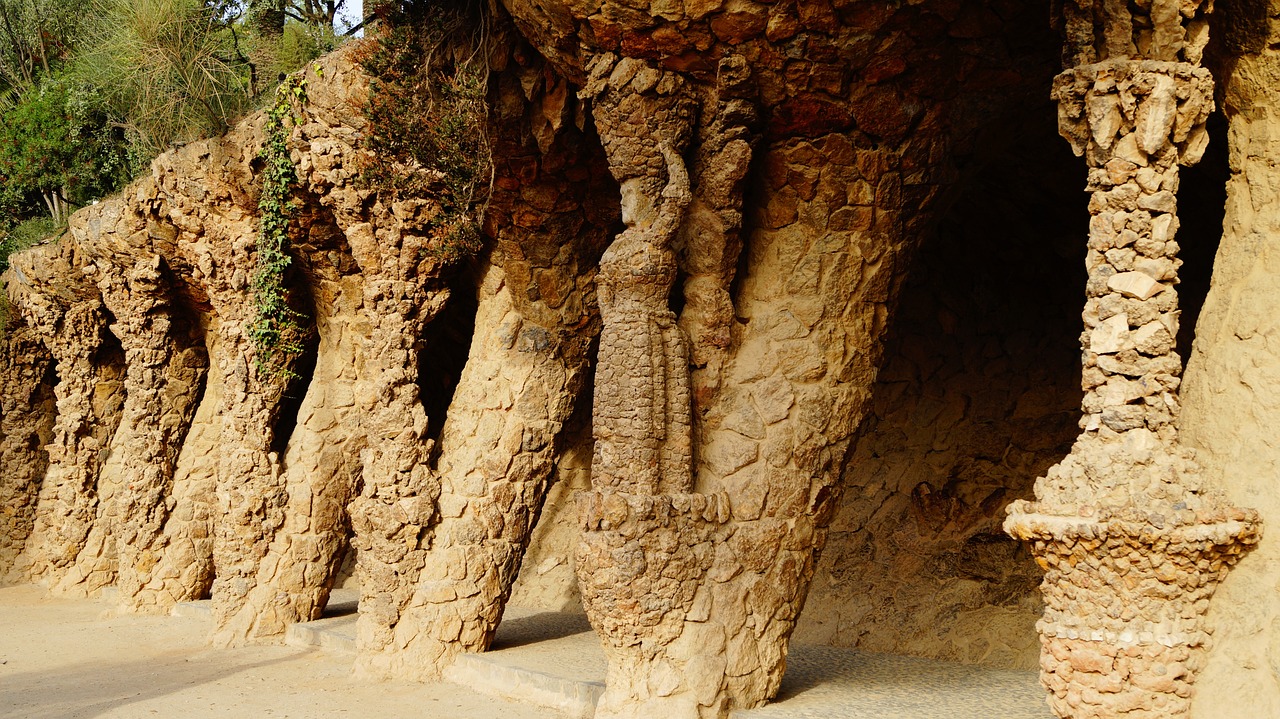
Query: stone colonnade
(720,427)
(1132,544)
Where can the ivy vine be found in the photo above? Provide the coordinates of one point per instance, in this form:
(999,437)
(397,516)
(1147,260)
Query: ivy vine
(276,330)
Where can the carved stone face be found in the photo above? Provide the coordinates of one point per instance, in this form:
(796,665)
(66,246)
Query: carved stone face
(638,207)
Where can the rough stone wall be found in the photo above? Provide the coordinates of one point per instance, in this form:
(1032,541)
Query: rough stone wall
(978,395)
(70,547)
(202,191)
(776,166)
(320,456)
(164,365)
(187,561)
(1230,396)
(26,426)
(547,579)
(847,148)
(536,317)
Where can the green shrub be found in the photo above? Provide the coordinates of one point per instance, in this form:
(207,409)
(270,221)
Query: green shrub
(25,235)
(172,70)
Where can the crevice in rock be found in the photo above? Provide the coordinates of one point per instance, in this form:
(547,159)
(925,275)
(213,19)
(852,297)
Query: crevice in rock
(304,368)
(1202,201)
(444,349)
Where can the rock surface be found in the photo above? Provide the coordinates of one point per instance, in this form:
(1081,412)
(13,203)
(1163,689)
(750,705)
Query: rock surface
(688,384)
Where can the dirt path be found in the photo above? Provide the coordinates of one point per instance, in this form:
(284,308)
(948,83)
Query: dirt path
(65,659)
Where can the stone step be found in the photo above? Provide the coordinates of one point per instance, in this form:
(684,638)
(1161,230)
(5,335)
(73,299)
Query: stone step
(555,660)
(490,674)
(335,634)
(335,631)
(202,609)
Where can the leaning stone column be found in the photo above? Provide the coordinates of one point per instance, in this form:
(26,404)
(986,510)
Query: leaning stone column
(26,419)
(647,539)
(1133,548)
(68,508)
(164,365)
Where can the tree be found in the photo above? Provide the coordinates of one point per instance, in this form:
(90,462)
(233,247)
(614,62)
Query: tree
(36,38)
(57,148)
(171,69)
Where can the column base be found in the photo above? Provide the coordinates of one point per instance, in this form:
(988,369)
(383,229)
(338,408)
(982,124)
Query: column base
(1124,629)
(641,560)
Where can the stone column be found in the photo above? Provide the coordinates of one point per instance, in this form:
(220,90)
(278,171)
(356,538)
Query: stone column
(163,368)
(321,466)
(185,561)
(198,194)
(392,515)
(26,424)
(88,395)
(647,539)
(526,367)
(1132,545)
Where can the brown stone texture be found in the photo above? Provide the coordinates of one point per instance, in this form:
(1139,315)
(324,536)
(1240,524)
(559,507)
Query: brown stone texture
(848,144)
(26,426)
(761,322)
(979,394)
(164,365)
(201,190)
(526,367)
(320,459)
(1132,542)
(70,548)
(1230,391)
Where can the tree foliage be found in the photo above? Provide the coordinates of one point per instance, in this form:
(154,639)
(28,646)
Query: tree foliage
(91,90)
(58,145)
(170,69)
(36,38)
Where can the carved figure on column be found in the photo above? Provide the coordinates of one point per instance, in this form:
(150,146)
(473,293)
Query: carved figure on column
(1123,631)
(647,540)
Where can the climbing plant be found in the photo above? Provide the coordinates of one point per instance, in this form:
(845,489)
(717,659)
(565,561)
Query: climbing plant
(428,117)
(276,330)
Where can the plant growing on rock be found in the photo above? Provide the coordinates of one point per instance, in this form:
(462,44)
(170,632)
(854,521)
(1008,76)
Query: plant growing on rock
(276,331)
(428,117)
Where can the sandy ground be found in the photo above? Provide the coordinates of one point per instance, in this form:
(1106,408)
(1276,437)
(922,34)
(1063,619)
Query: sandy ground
(68,659)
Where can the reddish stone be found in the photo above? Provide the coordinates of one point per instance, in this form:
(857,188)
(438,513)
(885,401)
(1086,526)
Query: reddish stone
(693,63)
(738,27)
(882,68)
(881,112)
(669,41)
(639,44)
(809,116)
(782,23)
(607,33)
(828,78)
(817,15)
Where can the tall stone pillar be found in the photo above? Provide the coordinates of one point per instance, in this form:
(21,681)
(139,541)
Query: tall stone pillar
(26,424)
(66,541)
(1132,546)
(164,365)
(647,539)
